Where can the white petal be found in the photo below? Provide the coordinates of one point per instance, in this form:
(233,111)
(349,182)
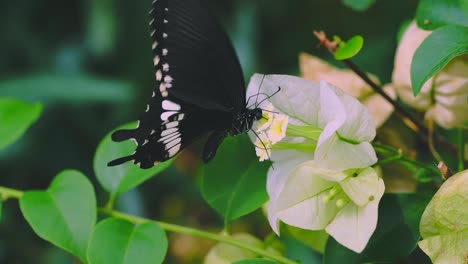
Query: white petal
(301,200)
(275,183)
(362,188)
(298,98)
(332,114)
(353,226)
(337,155)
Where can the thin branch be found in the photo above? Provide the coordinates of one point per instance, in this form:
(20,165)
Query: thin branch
(407,118)
(198,233)
(6,193)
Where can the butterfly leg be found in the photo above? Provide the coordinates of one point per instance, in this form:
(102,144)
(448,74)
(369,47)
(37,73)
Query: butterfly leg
(212,144)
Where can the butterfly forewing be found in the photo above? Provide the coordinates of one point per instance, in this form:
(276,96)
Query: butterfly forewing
(199,82)
(200,57)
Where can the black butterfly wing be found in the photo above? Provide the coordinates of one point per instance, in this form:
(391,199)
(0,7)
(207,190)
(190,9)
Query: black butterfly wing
(198,56)
(199,82)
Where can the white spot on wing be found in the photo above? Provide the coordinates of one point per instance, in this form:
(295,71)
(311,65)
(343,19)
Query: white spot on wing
(169,131)
(164,52)
(156,60)
(172,124)
(168,79)
(158,75)
(165,67)
(164,35)
(154,45)
(169,137)
(166,115)
(173,143)
(174,150)
(169,105)
(162,87)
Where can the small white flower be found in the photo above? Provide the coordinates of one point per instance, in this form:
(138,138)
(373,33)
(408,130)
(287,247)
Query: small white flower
(267,118)
(347,126)
(263,146)
(443,96)
(278,128)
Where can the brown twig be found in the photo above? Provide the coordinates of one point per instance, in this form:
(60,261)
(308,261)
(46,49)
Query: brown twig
(407,118)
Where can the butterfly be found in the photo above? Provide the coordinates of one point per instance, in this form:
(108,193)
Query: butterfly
(200,87)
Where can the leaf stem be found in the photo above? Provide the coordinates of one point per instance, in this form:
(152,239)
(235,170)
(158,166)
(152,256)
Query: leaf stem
(461,150)
(396,155)
(7,193)
(110,203)
(197,233)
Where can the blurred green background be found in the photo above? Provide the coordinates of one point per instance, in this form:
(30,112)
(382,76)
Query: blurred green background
(90,63)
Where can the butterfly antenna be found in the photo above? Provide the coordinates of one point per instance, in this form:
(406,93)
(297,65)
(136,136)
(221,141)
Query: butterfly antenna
(258,91)
(270,96)
(269,111)
(257,94)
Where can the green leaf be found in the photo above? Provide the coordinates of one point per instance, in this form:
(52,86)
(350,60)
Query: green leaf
(65,213)
(15,118)
(224,253)
(435,53)
(443,224)
(396,235)
(315,239)
(358,5)
(403,27)
(255,261)
(122,178)
(75,89)
(432,14)
(350,48)
(118,241)
(234,182)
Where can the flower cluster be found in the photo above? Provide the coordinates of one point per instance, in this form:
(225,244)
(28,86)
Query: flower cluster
(318,138)
(269,130)
(443,97)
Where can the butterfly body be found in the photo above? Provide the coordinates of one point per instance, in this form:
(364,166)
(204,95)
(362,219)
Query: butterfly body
(199,86)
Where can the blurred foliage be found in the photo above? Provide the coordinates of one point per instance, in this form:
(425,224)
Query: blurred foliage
(90,63)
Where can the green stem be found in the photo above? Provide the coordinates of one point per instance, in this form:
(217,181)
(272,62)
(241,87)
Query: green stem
(197,233)
(396,155)
(307,147)
(347,140)
(111,202)
(461,150)
(7,193)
